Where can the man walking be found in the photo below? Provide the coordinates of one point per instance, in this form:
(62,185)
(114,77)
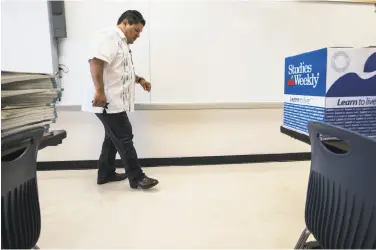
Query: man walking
(114,78)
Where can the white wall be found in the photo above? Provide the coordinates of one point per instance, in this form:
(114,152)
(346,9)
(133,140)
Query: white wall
(83,18)
(179,133)
(27,44)
(214,51)
(204,132)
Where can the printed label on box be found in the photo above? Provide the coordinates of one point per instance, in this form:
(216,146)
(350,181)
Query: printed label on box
(333,85)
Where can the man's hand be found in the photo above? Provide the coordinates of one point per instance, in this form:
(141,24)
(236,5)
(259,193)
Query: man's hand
(145,85)
(100,99)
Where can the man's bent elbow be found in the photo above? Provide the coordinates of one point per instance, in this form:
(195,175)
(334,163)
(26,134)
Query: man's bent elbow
(96,62)
(96,66)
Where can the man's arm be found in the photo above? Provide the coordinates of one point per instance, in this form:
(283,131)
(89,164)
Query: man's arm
(96,70)
(138,79)
(103,50)
(145,84)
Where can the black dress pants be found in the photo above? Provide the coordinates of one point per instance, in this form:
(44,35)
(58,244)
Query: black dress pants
(118,138)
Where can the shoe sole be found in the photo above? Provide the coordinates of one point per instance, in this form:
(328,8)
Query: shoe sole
(107,181)
(145,188)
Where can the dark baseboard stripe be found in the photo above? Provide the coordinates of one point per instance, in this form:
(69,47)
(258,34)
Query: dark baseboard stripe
(296,135)
(181,161)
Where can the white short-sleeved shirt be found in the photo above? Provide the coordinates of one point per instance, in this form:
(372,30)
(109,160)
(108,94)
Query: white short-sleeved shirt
(110,45)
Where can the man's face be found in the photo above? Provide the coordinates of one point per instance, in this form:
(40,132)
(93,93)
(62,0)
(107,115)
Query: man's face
(132,32)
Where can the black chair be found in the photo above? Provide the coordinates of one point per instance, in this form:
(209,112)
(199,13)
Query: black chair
(340,209)
(20,211)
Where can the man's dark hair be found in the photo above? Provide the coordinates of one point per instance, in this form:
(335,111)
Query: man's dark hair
(133,17)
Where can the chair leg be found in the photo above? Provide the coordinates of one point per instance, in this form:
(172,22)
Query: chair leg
(302,239)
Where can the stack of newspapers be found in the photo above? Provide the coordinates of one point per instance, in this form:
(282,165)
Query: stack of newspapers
(27,101)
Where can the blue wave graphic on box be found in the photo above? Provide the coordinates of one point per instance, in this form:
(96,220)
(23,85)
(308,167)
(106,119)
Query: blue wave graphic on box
(352,85)
(370,64)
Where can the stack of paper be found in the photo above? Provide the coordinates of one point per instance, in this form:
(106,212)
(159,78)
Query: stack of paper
(27,101)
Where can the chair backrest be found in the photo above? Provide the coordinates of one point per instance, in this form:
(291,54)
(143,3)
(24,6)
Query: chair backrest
(20,212)
(341,199)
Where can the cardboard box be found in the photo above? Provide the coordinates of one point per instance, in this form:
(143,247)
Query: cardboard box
(332,85)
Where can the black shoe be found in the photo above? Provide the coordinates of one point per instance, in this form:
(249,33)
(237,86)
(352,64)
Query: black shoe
(112,178)
(144,183)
